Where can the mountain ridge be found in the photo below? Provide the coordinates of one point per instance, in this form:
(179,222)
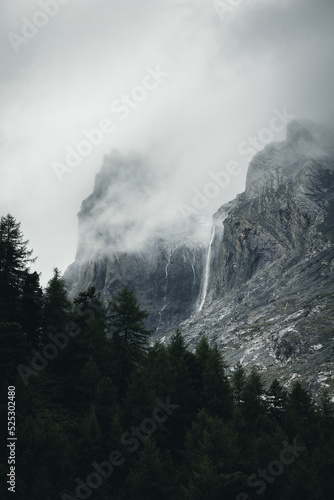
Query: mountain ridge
(263,287)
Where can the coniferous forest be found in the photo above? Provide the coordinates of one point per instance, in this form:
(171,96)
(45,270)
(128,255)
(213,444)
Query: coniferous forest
(101,412)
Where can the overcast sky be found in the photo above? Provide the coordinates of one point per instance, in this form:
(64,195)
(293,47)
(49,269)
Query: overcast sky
(228,68)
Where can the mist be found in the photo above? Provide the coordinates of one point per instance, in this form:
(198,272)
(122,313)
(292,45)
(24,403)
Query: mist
(134,208)
(228,77)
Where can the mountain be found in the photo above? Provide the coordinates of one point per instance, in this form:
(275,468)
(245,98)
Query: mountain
(262,286)
(272,263)
(120,243)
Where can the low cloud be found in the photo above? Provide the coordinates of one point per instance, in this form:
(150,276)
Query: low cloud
(226,76)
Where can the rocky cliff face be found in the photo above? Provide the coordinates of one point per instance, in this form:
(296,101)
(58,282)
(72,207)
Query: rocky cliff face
(262,286)
(121,244)
(272,270)
(283,214)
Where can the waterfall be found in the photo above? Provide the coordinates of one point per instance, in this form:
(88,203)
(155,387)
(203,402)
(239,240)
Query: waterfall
(166,271)
(193,268)
(166,287)
(207,270)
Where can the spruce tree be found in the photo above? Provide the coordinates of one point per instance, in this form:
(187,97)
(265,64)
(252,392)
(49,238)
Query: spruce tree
(300,402)
(90,316)
(217,392)
(277,400)
(202,350)
(31,307)
(126,324)
(15,259)
(327,408)
(253,395)
(238,384)
(57,304)
(176,347)
(152,475)
(14,349)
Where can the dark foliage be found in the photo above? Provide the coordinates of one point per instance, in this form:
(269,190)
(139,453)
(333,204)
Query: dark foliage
(102,414)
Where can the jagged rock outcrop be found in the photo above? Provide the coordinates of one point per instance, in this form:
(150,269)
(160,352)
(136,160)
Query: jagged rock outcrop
(262,286)
(272,271)
(123,241)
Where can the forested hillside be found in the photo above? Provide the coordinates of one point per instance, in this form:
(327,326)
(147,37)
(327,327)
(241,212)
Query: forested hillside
(102,413)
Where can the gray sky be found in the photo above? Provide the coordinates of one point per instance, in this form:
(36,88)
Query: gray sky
(228,69)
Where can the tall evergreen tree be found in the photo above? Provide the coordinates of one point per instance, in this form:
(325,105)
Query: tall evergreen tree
(177,348)
(88,350)
(277,399)
(253,395)
(31,308)
(14,349)
(202,353)
(217,391)
(14,262)
(126,324)
(57,304)
(152,475)
(300,402)
(159,370)
(202,350)
(91,317)
(327,408)
(238,384)
(182,391)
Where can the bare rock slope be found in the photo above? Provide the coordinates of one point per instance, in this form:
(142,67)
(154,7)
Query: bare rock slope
(263,289)
(272,268)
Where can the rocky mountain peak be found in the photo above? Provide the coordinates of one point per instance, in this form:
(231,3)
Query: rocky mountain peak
(279,163)
(262,286)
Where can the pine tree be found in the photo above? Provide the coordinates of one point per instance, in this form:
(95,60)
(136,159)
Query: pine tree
(238,384)
(217,392)
(126,324)
(212,437)
(14,349)
(253,395)
(139,400)
(327,408)
(205,483)
(177,348)
(90,441)
(277,400)
(300,402)
(152,475)
(202,355)
(14,262)
(89,378)
(107,407)
(159,370)
(57,304)
(31,306)
(202,350)
(91,317)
